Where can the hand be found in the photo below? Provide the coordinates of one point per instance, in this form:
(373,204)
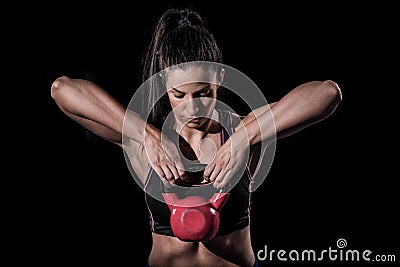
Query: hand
(228,160)
(163,156)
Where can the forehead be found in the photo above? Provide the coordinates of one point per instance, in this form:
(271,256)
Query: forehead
(191,75)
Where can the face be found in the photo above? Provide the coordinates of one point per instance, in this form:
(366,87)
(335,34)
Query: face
(192,94)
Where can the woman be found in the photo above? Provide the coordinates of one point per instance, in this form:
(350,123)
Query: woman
(181,36)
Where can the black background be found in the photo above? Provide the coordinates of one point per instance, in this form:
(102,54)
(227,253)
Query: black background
(335,179)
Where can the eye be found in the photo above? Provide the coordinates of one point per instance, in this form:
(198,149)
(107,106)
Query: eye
(180,96)
(205,93)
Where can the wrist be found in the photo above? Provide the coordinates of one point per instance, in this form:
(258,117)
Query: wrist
(244,135)
(250,133)
(150,130)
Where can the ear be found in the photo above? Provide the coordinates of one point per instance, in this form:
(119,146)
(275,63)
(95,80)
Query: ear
(221,76)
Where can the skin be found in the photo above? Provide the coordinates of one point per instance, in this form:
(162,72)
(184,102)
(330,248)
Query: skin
(193,105)
(95,109)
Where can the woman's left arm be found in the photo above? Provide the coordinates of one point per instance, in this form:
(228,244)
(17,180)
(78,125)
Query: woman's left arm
(303,106)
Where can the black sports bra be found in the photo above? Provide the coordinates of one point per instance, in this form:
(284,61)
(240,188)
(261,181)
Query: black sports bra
(234,215)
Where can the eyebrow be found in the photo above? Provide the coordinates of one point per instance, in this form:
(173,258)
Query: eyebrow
(201,90)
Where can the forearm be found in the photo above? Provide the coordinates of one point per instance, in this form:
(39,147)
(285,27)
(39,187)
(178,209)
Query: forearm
(305,105)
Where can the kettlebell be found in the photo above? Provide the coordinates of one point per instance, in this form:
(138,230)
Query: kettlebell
(195,217)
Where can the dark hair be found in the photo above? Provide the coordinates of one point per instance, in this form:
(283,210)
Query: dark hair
(180,36)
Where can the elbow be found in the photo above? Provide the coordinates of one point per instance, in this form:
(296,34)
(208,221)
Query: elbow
(330,96)
(58,88)
(332,92)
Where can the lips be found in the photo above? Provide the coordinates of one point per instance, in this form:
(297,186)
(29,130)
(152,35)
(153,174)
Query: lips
(194,120)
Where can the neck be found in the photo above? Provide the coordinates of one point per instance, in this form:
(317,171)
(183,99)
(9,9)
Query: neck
(195,135)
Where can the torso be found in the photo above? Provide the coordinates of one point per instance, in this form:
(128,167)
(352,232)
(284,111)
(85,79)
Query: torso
(228,249)
(231,250)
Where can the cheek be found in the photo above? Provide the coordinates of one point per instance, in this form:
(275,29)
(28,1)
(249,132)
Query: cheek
(172,102)
(208,102)
(176,106)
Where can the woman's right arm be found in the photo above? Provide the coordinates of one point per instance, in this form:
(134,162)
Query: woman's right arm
(95,109)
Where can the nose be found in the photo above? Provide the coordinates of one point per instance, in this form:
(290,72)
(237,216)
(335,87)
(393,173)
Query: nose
(192,106)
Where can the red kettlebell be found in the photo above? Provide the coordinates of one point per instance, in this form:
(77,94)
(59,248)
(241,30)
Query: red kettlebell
(195,218)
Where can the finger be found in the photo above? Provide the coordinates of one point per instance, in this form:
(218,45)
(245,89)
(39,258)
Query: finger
(223,179)
(208,171)
(219,178)
(168,174)
(215,173)
(180,169)
(174,172)
(159,171)
(162,176)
